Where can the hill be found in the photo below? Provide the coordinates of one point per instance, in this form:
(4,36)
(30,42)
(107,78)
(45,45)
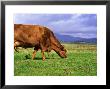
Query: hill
(67,38)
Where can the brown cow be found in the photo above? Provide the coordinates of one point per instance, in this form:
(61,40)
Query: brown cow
(38,37)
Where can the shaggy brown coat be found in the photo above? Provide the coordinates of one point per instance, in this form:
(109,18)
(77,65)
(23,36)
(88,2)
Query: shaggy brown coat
(38,37)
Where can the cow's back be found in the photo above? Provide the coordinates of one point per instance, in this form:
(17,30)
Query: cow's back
(31,34)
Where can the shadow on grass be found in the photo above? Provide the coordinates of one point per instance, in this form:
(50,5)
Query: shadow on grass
(27,57)
(40,58)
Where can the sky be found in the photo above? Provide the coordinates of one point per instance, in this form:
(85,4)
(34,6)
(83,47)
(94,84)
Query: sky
(75,25)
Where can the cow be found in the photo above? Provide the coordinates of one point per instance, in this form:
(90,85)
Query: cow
(39,37)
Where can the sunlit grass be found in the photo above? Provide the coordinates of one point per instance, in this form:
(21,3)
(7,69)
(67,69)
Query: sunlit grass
(81,61)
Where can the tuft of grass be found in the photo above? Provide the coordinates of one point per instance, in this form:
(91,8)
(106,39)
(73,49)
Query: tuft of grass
(81,61)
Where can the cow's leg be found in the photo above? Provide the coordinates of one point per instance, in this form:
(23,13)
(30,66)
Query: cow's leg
(15,46)
(43,49)
(48,54)
(16,49)
(34,53)
(43,56)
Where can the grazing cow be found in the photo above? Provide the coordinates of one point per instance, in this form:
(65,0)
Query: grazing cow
(39,37)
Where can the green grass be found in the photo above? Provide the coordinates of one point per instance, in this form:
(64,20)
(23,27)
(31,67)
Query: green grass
(81,61)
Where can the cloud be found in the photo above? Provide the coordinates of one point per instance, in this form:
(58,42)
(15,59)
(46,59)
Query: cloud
(39,18)
(78,25)
(30,18)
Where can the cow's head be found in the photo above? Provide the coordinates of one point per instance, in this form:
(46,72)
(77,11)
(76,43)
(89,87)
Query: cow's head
(63,51)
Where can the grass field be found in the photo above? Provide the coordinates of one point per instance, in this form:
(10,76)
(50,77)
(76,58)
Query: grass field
(81,61)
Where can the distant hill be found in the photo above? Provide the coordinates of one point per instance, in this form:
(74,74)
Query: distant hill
(67,38)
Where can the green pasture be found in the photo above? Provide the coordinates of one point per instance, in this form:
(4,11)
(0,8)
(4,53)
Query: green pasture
(81,61)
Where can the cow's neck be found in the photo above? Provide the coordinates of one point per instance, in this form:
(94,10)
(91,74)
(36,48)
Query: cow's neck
(55,42)
(56,49)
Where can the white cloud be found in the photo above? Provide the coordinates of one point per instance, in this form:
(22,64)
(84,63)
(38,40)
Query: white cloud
(77,24)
